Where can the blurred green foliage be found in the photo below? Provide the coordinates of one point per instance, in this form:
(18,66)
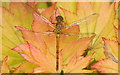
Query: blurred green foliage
(39,5)
(43,4)
(5,4)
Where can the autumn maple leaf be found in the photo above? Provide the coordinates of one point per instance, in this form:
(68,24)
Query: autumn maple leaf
(110,63)
(10,36)
(102,25)
(4,67)
(41,50)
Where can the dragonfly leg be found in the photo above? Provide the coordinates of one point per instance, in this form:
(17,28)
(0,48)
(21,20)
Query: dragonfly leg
(54,30)
(50,30)
(53,23)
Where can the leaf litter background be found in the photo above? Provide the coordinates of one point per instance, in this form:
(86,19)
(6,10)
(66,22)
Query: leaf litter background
(20,14)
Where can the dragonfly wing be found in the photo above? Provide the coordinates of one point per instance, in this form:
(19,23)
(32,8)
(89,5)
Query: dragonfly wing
(79,34)
(47,33)
(43,33)
(89,18)
(47,21)
(44,18)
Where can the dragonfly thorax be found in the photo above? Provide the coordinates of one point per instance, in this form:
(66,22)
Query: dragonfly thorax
(59,25)
(59,28)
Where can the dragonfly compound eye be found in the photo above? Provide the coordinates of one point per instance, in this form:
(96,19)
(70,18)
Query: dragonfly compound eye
(59,18)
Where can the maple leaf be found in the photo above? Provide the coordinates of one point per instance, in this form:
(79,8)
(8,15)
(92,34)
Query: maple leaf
(4,66)
(41,50)
(102,25)
(47,61)
(106,66)
(40,47)
(14,16)
(110,63)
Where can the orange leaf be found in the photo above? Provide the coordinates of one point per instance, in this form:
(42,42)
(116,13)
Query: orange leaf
(76,65)
(5,67)
(50,10)
(78,46)
(37,57)
(33,38)
(55,14)
(84,9)
(40,24)
(106,66)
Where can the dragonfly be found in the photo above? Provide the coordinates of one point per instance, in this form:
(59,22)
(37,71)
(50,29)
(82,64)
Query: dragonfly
(58,29)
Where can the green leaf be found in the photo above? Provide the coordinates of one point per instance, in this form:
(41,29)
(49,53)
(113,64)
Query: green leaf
(70,6)
(5,5)
(19,14)
(43,5)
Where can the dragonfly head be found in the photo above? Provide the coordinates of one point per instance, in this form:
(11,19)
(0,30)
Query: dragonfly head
(59,19)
